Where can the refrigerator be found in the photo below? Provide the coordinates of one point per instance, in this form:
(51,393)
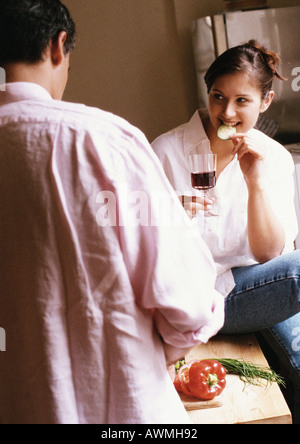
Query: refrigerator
(279,30)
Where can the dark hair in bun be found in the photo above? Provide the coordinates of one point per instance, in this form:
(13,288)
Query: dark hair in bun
(254,59)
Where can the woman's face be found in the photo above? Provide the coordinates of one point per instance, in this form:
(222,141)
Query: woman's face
(235,100)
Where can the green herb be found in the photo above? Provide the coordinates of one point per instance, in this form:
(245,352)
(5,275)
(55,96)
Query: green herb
(179,364)
(251,373)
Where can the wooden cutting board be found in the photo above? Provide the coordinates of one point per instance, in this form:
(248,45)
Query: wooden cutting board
(191,403)
(240,403)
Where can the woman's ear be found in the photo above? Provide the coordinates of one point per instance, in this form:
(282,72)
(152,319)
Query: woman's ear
(267,101)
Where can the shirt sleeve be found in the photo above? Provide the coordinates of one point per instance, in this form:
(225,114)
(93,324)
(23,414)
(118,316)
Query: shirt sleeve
(170,267)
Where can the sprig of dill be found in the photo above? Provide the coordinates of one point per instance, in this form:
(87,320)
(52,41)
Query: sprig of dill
(251,373)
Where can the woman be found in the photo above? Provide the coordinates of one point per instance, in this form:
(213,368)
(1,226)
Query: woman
(251,236)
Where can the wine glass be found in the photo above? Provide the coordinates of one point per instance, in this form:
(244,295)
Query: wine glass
(203,169)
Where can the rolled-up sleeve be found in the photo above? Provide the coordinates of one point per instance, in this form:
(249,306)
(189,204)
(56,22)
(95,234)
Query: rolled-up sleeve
(170,267)
(188,338)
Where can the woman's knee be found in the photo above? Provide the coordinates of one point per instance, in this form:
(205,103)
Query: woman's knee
(289,264)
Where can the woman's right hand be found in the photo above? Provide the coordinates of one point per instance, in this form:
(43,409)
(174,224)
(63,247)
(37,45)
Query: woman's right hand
(194,204)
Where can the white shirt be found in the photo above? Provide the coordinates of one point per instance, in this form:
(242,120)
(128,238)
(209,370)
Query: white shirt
(87,290)
(226,234)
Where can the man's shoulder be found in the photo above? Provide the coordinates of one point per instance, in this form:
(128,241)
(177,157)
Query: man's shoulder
(88,116)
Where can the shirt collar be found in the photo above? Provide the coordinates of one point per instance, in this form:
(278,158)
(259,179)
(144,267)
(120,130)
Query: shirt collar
(194,134)
(20,91)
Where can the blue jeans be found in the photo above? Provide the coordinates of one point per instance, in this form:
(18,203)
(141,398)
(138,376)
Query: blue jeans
(266,298)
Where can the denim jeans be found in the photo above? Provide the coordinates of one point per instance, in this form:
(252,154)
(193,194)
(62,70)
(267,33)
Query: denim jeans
(266,298)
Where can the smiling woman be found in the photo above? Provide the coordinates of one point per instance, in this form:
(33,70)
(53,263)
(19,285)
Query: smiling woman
(256,222)
(235,100)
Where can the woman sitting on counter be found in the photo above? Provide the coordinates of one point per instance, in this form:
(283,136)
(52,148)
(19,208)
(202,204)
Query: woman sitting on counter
(253,225)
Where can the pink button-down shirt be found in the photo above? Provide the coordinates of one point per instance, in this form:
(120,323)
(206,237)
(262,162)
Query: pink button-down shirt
(98,263)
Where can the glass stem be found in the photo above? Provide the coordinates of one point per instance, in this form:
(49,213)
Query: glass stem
(205,204)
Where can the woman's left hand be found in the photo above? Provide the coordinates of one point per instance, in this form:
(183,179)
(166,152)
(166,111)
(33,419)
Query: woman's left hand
(251,155)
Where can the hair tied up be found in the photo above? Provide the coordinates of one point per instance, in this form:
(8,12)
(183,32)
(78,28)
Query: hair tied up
(271,59)
(250,58)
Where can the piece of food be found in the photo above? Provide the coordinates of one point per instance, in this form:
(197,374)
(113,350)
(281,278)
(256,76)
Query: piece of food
(177,383)
(181,361)
(207,379)
(225,131)
(204,379)
(251,373)
(182,378)
(248,372)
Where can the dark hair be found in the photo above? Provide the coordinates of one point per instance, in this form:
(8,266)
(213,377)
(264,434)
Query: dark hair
(250,57)
(28,26)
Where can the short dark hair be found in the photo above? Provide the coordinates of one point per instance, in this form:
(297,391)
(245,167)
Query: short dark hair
(28,26)
(252,58)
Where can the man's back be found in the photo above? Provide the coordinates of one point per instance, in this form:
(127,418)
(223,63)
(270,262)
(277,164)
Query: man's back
(78,290)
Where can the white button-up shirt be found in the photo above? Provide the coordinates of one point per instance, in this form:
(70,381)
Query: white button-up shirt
(226,234)
(90,277)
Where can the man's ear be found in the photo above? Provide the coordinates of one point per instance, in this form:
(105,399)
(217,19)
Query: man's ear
(56,47)
(267,102)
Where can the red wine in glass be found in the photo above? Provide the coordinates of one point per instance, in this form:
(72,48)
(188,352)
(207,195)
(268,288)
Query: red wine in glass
(203,175)
(204,180)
